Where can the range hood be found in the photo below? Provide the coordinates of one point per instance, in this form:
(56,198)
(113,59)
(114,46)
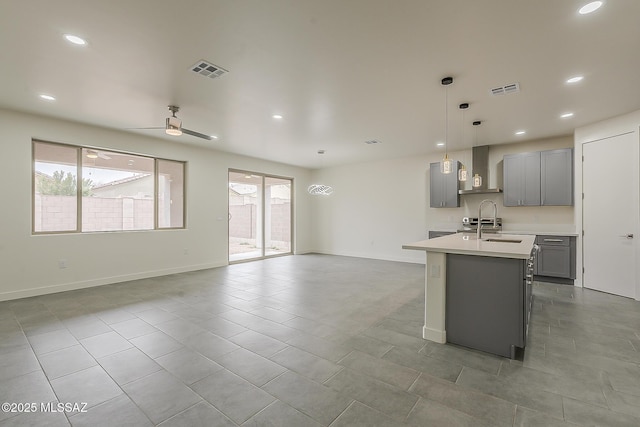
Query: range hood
(480,166)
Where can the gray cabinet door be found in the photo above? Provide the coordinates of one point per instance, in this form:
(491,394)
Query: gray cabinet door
(556,177)
(436,186)
(522,179)
(554,261)
(443,188)
(556,256)
(486,307)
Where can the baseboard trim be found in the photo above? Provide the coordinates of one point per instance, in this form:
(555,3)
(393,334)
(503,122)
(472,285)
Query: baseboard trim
(63,287)
(434,335)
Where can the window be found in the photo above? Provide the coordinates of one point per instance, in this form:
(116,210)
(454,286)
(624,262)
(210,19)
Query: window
(55,177)
(118,191)
(170,194)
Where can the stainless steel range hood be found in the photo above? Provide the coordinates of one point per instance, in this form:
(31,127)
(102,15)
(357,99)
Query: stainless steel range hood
(480,166)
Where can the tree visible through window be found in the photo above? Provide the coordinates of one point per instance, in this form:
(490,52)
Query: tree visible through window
(61,184)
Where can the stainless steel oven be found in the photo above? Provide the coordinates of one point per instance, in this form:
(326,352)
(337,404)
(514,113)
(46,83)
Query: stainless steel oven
(470,225)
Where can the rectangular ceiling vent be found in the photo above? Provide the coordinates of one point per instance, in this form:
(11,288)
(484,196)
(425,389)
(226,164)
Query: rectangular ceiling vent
(506,89)
(207,69)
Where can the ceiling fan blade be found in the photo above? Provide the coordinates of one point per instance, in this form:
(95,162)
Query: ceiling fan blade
(196,134)
(145,128)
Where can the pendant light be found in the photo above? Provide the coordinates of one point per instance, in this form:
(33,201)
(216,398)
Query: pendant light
(462,172)
(320,189)
(477,179)
(446,166)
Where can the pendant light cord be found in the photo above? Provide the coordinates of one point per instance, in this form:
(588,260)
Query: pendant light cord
(446,121)
(463,126)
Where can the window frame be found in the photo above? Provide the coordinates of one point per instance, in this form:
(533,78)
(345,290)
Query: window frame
(79,177)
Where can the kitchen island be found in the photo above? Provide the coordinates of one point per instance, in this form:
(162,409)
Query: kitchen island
(477,293)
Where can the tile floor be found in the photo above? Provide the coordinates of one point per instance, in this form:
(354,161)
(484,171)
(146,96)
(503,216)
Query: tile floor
(309,340)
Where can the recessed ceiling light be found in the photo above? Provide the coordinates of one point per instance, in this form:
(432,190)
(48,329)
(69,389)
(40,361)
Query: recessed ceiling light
(521,132)
(590,7)
(75,40)
(47,97)
(575,79)
(566,115)
(440,144)
(277,116)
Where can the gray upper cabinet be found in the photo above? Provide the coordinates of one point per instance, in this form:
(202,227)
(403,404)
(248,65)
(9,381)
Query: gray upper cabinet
(541,178)
(443,188)
(556,177)
(522,179)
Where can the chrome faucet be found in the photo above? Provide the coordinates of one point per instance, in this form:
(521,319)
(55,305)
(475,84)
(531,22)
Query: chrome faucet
(495,216)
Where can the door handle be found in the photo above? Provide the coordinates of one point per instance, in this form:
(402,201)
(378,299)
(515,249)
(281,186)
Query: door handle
(628,236)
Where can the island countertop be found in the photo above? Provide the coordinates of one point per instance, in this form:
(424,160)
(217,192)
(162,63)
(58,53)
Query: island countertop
(468,244)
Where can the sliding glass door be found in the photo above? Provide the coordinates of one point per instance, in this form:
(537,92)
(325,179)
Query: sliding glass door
(260,220)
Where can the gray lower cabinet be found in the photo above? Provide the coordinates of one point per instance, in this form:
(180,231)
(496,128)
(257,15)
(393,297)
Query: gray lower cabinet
(556,257)
(541,178)
(443,188)
(522,179)
(488,301)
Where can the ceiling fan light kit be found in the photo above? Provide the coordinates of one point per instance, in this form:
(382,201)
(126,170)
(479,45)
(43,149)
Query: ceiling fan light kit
(173,126)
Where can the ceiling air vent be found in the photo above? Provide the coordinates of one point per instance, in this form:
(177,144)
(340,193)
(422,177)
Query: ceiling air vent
(506,89)
(207,69)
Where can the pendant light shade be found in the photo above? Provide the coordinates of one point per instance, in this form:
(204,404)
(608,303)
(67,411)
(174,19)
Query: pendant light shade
(446,166)
(463,175)
(477,181)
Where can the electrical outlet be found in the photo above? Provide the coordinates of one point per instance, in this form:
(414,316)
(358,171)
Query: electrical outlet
(62,263)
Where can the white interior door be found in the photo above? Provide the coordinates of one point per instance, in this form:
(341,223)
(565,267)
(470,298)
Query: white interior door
(610,214)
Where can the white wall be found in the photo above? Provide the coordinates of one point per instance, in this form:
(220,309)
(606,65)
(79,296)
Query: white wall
(378,206)
(29,263)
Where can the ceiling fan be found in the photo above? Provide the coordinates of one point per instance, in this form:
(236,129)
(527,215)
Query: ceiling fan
(94,154)
(174,127)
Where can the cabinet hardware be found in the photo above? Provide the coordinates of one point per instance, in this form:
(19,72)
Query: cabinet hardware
(553,240)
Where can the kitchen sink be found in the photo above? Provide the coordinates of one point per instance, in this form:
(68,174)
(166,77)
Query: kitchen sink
(503,240)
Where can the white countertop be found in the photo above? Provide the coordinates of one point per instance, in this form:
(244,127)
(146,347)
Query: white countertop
(468,244)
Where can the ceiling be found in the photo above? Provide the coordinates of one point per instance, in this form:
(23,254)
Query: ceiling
(340,72)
